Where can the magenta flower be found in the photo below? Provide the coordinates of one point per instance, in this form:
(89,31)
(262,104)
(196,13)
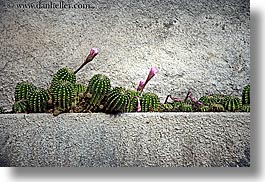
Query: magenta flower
(93,52)
(177,99)
(200,103)
(139,108)
(141,84)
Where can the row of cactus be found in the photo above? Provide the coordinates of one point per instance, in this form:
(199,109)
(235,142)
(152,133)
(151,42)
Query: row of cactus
(66,95)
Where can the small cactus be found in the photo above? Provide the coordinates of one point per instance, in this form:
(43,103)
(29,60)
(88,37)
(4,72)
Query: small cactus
(1,110)
(246,108)
(65,74)
(23,90)
(186,107)
(79,92)
(217,108)
(38,100)
(208,99)
(150,102)
(133,101)
(246,95)
(21,106)
(165,107)
(205,108)
(233,103)
(118,100)
(63,95)
(99,86)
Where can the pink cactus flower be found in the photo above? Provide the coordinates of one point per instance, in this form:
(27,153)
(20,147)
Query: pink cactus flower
(141,85)
(200,103)
(152,73)
(93,52)
(139,108)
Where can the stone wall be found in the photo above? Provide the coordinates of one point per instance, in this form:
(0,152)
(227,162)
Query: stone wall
(201,45)
(132,139)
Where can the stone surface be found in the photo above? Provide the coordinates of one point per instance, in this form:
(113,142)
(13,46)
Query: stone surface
(202,45)
(133,139)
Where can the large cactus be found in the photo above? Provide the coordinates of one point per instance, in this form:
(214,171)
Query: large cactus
(118,99)
(150,102)
(63,95)
(23,90)
(21,106)
(233,103)
(246,95)
(99,86)
(38,100)
(65,74)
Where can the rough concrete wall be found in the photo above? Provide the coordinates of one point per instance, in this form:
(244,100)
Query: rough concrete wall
(134,139)
(199,44)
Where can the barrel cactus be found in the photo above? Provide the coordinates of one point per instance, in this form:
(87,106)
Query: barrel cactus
(23,90)
(99,86)
(38,100)
(79,92)
(168,107)
(133,101)
(233,103)
(246,108)
(118,99)
(65,74)
(246,95)
(208,99)
(204,108)
(63,95)
(150,102)
(21,106)
(186,107)
(217,108)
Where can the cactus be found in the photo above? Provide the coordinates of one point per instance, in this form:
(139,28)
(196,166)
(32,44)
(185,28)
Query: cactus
(208,99)
(246,108)
(217,108)
(233,103)
(205,108)
(165,107)
(186,107)
(99,86)
(1,110)
(65,74)
(21,106)
(38,100)
(133,101)
(246,95)
(23,90)
(118,100)
(79,91)
(150,102)
(63,95)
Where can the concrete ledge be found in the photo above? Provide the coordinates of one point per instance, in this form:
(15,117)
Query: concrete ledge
(131,139)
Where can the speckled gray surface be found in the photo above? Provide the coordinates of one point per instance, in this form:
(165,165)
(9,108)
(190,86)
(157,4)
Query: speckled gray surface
(134,139)
(202,45)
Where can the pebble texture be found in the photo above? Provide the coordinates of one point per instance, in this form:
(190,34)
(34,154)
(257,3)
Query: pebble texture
(127,140)
(199,45)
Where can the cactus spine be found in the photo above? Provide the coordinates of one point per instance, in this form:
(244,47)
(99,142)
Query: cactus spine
(118,100)
(63,95)
(99,86)
(21,106)
(246,95)
(150,102)
(23,90)
(233,103)
(38,100)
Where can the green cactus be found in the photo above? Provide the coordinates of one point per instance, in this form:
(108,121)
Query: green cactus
(23,90)
(1,110)
(208,99)
(133,101)
(217,108)
(65,74)
(63,95)
(246,95)
(186,107)
(220,99)
(205,108)
(21,106)
(118,99)
(246,108)
(233,103)
(79,91)
(99,86)
(150,102)
(168,107)
(177,106)
(38,100)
